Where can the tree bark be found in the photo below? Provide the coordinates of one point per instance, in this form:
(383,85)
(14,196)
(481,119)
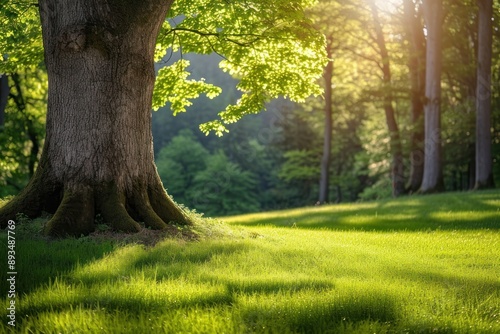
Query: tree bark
(324,184)
(484,163)
(433,171)
(98,154)
(416,65)
(397,165)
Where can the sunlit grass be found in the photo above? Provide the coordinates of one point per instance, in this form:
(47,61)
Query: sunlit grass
(443,211)
(417,265)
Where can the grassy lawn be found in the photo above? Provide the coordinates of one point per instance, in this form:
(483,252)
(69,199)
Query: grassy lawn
(427,264)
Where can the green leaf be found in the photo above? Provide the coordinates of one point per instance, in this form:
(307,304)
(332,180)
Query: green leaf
(174,87)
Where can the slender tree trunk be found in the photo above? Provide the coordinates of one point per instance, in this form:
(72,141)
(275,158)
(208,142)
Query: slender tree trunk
(471,168)
(416,65)
(397,169)
(433,170)
(484,163)
(20,103)
(397,166)
(4,95)
(324,184)
(340,166)
(98,154)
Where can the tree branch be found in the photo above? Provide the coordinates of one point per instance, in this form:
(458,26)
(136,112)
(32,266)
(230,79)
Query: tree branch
(219,35)
(365,57)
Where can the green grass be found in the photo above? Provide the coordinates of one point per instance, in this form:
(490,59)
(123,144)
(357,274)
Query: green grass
(426,264)
(450,211)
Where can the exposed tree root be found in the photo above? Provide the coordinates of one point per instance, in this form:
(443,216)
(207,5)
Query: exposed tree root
(164,206)
(75,207)
(75,215)
(143,211)
(41,194)
(111,205)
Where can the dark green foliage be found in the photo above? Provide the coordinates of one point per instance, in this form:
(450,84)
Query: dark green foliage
(223,188)
(179,162)
(203,109)
(209,183)
(22,135)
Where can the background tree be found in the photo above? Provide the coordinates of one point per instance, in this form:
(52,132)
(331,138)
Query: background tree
(433,174)
(324,183)
(337,20)
(324,13)
(179,162)
(209,183)
(4,96)
(223,188)
(396,149)
(298,143)
(24,95)
(484,173)
(372,53)
(22,135)
(414,31)
(458,94)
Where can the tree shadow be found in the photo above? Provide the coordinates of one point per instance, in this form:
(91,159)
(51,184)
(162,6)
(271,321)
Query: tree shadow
(459,211)
(481,287)
(114,280)
(163,266)
(175,271)
(330,314)
(40,261)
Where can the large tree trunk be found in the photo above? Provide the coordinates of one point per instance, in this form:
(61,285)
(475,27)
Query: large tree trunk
(98,155)
(433,171)
(416,65)
(397,165)
(484,164)
(324,183)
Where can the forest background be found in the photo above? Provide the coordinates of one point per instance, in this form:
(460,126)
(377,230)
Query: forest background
(273,160)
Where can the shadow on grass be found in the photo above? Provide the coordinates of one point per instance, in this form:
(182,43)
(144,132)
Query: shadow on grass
(37,261)
(477,287)
(329,314)
(129,279)
(458,211)
(172,277)
(168,277)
